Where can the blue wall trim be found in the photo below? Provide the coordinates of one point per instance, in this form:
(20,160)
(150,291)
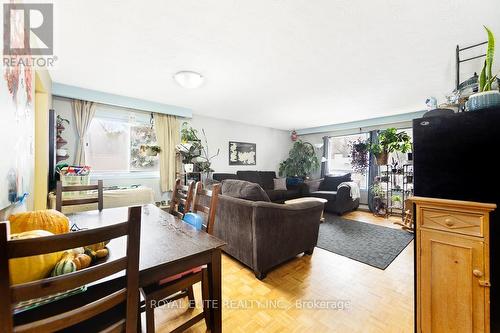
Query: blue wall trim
(64,90)
(363,123)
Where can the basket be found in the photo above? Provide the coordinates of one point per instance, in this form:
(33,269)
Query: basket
(74,180)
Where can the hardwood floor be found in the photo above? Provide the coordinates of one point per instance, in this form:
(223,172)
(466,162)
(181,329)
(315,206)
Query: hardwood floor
(375,300)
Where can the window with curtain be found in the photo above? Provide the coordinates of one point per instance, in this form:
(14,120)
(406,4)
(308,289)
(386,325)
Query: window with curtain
(340,158)
(114,139)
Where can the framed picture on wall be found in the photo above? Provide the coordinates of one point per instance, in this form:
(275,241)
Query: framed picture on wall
(242,153)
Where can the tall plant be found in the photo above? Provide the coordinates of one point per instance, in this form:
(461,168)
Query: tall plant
(301,161)
(486,78)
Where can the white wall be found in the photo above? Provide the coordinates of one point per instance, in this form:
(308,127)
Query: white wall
(272,145)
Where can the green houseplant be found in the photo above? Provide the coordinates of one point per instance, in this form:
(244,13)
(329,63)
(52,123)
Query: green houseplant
(360,159)
(390,140)
(150,150)
(301,161)
(487,97)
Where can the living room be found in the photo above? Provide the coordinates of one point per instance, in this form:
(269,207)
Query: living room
(274,166)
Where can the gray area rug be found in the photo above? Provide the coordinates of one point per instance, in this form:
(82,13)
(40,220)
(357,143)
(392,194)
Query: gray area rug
(371,244)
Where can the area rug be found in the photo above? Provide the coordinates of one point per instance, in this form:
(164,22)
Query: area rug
(371,244)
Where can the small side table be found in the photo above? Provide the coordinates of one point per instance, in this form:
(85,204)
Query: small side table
(307,199)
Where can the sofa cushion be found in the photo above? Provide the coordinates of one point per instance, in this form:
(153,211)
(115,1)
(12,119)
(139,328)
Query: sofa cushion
(328,195)
(330,183)
(249,176)
(222,176)
(244,190)
(279,184)
(267,179)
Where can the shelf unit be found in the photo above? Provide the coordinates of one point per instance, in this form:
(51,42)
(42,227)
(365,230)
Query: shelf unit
(398,182)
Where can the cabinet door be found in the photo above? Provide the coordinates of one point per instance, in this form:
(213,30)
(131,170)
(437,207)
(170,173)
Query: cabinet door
(452,298)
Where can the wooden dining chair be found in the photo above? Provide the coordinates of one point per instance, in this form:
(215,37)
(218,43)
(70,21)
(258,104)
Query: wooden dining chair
(181,285)
(182,198)
(76,316)
(60,190)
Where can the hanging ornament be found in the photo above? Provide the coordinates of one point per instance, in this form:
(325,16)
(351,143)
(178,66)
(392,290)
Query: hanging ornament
(294,136)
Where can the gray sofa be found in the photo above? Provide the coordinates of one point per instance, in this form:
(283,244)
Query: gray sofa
(266,180)
(261,234)
(339,198)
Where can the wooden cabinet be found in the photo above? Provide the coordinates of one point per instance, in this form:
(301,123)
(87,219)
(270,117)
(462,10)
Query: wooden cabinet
(452,265)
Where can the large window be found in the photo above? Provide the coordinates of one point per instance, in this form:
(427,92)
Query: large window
(114,139)
(339,162)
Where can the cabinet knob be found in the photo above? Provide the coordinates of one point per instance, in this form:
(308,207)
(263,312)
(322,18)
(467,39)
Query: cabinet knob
(477,273)
(449,222)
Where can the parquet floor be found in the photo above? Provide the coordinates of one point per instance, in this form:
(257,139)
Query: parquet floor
(356,297)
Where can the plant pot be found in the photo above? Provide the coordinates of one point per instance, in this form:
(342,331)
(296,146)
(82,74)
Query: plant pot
(484,100)
(189,167)
(382,158)
(150,152)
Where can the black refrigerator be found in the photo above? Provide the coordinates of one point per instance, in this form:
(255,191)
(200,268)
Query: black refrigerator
(455,157)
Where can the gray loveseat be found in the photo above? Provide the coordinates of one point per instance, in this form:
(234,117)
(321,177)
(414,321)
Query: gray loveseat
(339,198)
(261,234)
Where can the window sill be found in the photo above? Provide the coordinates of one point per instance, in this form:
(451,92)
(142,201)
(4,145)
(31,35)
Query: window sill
(125,175)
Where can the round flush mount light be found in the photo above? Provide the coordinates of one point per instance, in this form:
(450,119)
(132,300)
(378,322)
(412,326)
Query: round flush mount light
(188,79)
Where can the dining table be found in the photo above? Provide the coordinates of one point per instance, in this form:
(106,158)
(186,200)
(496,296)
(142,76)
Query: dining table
(168,246)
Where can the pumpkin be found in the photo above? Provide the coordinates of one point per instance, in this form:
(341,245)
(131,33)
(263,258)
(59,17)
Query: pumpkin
(32,268)
(49,220)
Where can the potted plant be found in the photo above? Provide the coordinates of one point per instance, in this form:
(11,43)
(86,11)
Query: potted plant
(301,161)
(379,206)
(150,150)
(204,160)
(390,140)
(188,134)
(396,201)
(360,159)
(487,97)
(189,151)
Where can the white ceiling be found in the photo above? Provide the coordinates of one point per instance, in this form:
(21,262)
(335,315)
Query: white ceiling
(278,63)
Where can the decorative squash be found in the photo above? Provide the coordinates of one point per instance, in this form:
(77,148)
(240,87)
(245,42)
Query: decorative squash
(32,268)
(64,266)
(82,261)
(97,246)
(102,253)
(49,220)
(91,254)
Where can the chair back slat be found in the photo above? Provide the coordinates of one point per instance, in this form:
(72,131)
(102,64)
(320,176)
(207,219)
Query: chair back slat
(202,196)
(128,295)
(60,189)
(69,318)
(41,245)
(181,195)
(53,285)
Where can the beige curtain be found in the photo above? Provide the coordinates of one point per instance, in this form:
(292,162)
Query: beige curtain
(168,136)
(84,111)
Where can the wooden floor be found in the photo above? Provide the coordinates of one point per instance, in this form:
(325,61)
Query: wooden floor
(367,299)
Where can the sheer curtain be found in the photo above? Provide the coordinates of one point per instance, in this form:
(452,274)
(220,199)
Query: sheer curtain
(168,136)
(84,112)
(372,170)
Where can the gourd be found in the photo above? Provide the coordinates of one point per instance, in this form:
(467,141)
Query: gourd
(82,261)
(49,220)
(97,246)
(32,268)
(64,266)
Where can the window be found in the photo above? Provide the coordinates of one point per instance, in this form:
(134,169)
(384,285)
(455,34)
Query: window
(114,140)
(339,162)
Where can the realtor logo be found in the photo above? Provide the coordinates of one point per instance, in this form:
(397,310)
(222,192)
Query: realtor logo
(28,29)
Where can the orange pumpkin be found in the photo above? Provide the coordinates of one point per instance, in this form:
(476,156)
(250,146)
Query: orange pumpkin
(49,220)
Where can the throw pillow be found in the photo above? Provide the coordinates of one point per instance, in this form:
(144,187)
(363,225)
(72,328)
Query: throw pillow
(244,190)
(330,183)
(280,184)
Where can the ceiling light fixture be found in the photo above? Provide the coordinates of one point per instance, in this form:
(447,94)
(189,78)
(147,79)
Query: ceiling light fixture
(188,79)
